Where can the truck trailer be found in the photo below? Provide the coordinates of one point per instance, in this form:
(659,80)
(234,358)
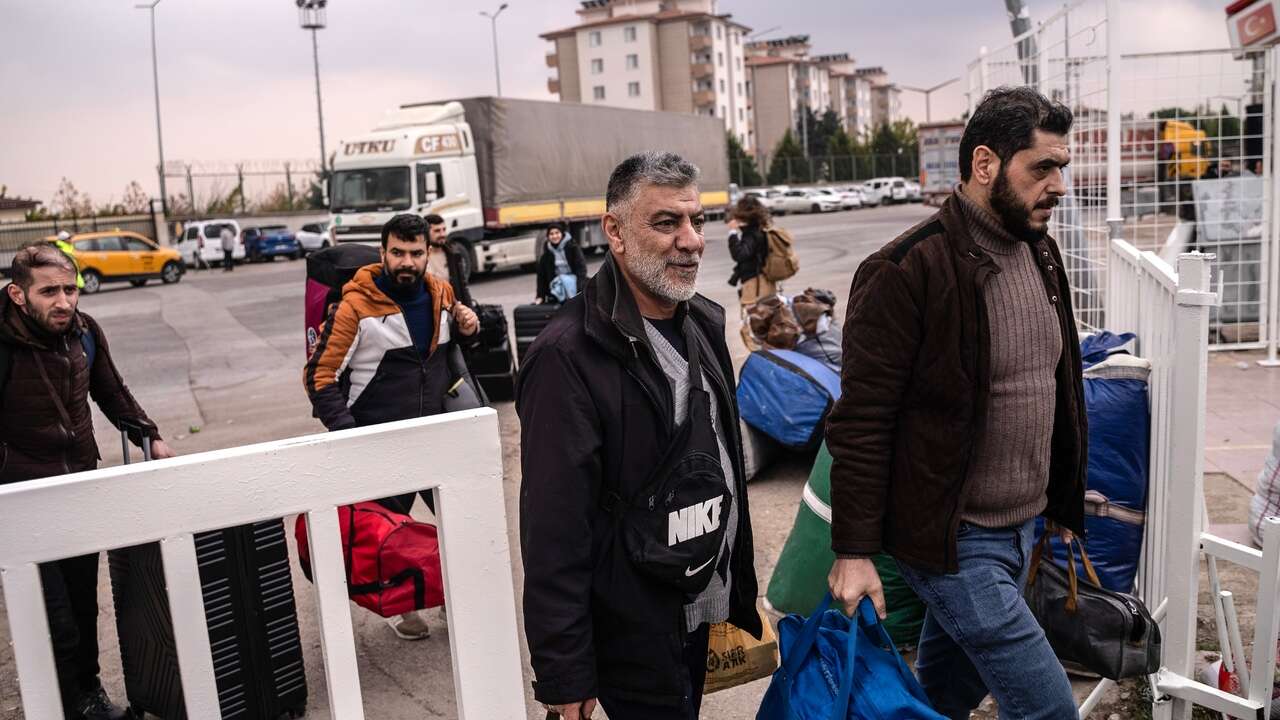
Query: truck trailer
(499,170)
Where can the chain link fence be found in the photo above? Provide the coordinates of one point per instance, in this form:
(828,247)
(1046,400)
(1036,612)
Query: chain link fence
(746,172)
(257,186)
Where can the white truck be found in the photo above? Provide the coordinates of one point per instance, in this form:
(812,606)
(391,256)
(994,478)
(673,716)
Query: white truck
(939,159)
(499,170)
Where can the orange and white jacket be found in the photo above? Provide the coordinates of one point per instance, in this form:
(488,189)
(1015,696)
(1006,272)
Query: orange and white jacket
(365,368)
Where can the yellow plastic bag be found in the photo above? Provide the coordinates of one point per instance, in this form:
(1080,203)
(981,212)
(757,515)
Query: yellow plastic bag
(735,658)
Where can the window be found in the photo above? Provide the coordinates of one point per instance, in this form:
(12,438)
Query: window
(629,33)
(719,30)
(593,38)
(722,85)
(633,89)
(425,170)
(86,245)
(597,66)
(736,40)
(633,62)
(371,189)
(721,111)
(741,116)
(113,244)
(739,88)
(597,92)
(739,63)
(133,244)
(193,233)
(720,59)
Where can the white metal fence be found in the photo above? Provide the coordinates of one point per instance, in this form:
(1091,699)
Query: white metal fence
(1170,312)
(458,455)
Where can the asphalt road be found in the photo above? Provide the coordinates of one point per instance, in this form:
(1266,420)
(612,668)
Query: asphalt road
(216,359)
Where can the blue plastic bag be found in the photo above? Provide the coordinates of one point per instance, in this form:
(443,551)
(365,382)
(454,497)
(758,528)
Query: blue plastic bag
(837,669)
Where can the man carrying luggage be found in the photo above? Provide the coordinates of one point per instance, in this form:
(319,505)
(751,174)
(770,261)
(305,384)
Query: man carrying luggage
(634,524)
(962,415)
(384,354)
(53,358)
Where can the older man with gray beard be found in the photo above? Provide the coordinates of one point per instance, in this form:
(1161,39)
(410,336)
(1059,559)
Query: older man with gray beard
(634,524)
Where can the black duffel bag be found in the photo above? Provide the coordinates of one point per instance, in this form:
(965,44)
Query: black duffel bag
(1106,632)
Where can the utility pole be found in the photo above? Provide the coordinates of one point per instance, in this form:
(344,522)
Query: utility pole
(1020,23)
(928,92)
(155,78)
(493,23)
(311,16)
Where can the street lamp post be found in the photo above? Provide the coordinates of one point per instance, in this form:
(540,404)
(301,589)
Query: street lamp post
(927,92)
(311,16)
(493,22)
(155,77)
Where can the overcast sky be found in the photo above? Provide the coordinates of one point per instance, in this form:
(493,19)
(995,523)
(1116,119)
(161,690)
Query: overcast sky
(236,80)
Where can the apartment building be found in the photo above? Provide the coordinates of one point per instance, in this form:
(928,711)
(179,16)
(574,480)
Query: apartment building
(672,55)
(850,94)
(886,98)
(784,78)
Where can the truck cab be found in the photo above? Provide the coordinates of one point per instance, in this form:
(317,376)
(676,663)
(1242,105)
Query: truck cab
(419,160)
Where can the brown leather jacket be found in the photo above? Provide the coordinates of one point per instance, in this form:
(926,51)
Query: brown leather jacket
(46,427)
(914,391)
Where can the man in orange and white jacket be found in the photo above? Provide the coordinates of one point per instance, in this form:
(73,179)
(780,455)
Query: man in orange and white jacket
(384,355)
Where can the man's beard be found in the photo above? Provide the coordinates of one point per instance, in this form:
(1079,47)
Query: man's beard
(405,277)
(53,322)
(1014,216)
(650,270)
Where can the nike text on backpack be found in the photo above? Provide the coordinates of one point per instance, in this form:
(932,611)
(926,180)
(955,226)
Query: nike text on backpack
(780,261)
(393,561)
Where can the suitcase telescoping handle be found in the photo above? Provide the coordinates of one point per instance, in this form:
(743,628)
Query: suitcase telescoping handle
(125,427)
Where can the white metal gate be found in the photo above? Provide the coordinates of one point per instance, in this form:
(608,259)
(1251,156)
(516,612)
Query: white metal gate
(459,455)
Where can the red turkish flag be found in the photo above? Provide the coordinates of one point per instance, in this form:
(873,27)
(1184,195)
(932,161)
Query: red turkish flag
(1257,25)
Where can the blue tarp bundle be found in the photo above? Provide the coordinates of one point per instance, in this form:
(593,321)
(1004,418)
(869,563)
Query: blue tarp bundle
(1115,395)
(787,395)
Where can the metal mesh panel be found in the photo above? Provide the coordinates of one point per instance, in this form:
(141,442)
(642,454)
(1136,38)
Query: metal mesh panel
(1195,172)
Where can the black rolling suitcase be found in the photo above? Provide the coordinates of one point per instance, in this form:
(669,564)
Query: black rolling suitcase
(249,609)
(530,319)
(490,359)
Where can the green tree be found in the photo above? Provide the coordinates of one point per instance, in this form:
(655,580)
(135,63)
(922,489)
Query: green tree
(843,151)
(789,163)
(742,167)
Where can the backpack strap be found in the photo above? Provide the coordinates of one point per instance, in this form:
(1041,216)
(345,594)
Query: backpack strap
(90,345)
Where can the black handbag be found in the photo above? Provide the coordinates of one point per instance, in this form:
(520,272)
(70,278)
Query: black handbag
(1107,632)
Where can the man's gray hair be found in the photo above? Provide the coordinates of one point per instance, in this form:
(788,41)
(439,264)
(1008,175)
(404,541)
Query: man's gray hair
(664,169)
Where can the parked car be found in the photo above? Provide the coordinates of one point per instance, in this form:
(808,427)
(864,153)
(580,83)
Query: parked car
(313,237)
(849,200)
(887,190)
(913,192)
(267,242)
(869,198)
(205,237)
(119,255)
(808,201)
(769,197)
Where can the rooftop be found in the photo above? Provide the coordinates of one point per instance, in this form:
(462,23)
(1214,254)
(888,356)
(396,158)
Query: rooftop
(8,203)
(780,42)
(658,17)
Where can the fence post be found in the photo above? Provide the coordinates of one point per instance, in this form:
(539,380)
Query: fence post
(191,191)
(1272,271)
(240,186)
(1185,493)
(288,183)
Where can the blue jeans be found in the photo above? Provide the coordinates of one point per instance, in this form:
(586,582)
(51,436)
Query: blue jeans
(980,637)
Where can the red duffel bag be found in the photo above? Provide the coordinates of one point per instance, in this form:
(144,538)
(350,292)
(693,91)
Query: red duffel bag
(393,561)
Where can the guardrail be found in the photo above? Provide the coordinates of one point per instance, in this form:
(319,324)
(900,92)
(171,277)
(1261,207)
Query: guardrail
(459,455)
(1169,313)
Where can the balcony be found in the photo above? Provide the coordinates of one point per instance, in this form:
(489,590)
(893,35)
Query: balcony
(703,98)
(553,60)
(700,42)
(553,86)
(701,70)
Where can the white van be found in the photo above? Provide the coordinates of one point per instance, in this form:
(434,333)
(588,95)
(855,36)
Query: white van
(206,236)
(886,190)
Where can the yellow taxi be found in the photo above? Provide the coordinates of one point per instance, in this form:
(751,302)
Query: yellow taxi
(118,255)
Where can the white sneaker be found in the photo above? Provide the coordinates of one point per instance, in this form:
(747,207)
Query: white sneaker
(410,626)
